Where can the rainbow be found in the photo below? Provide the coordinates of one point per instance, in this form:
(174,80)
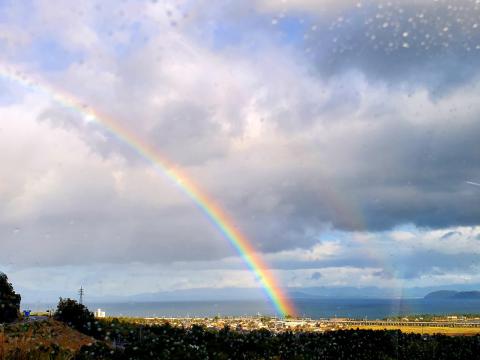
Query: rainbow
(283,305)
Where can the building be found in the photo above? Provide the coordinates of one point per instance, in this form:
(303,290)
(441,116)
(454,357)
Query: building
(99,313)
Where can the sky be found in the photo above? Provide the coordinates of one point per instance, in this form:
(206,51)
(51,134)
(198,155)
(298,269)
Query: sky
(341,137)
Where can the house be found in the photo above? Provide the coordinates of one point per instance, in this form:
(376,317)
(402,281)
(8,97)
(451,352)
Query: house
(99,313)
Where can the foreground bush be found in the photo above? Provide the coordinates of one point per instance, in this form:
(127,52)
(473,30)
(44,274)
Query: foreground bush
(75,315)
(9,301)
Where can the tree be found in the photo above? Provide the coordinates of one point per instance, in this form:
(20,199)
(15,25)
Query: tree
(9,301)
(75,315)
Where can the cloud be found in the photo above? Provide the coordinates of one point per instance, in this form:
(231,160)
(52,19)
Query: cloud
(407,43)
(307,5)
(403,254)
(346,138)
(329,6)
(68,205)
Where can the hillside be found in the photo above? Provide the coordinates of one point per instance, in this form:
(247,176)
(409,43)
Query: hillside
(39,338)
(467,295)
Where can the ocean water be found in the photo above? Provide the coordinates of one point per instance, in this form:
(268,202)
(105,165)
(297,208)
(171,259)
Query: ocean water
(311,308)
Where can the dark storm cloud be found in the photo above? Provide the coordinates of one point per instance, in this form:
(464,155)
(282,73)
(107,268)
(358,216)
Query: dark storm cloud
(416,174)
(434,44)
(388,172)
(389,168)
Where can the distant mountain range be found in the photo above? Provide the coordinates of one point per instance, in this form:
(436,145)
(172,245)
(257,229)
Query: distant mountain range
(454,295)
(242,294)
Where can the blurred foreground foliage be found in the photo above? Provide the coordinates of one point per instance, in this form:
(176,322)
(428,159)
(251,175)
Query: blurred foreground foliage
(118,339)
(9,301)
(123,340)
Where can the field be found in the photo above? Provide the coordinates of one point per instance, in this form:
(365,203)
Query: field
(430,330)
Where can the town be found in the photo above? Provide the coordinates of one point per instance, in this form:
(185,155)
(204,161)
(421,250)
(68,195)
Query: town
(442,324)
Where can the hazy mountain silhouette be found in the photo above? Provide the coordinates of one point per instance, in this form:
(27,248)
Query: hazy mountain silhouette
(454,295)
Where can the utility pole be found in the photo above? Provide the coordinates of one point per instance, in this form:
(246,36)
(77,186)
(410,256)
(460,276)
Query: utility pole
(81,292)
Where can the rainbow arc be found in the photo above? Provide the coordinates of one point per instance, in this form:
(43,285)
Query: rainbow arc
(283,305)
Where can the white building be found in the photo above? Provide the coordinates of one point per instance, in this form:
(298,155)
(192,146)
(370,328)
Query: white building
(99,313)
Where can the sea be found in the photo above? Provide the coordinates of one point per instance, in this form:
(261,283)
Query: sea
(307,308)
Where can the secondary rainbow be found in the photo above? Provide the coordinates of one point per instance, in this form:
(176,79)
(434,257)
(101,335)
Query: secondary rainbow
(219,218)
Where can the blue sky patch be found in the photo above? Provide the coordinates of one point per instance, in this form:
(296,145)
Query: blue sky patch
(50,55)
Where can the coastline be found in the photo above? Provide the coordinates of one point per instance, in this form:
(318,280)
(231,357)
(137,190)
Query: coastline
(307,308)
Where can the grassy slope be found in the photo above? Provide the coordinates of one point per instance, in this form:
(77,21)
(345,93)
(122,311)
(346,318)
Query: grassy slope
(41,336)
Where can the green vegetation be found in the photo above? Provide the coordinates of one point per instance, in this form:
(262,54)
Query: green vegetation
(133,341)
(75,315)
(9,301)
(123,339)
